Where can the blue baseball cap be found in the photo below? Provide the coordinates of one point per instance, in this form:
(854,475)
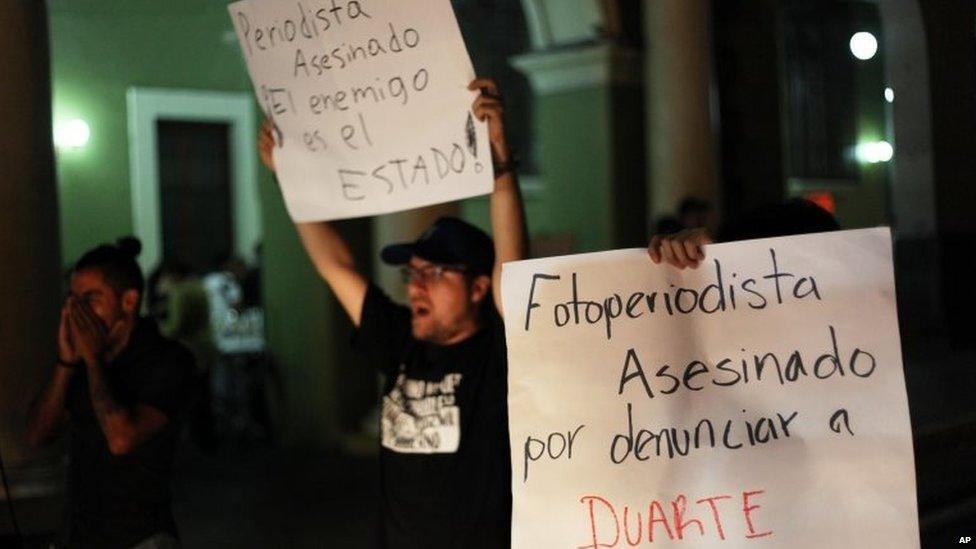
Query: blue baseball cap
(449,241)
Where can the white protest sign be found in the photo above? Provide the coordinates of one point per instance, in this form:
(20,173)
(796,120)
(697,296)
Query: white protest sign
(371,102)
(757,401)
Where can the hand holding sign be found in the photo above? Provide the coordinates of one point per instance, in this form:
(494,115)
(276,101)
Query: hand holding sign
(489,106)
(266,143)
(682,249)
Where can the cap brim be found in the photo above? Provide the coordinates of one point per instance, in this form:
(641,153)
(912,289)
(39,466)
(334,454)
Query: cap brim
(398,254)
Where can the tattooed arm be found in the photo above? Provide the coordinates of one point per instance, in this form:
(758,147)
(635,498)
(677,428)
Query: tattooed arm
(124,429)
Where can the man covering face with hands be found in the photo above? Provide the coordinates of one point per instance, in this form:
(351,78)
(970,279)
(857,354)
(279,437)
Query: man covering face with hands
(120,389)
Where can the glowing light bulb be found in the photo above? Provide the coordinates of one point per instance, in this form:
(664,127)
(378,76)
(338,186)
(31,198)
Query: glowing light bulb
(875,152)
(889,95)
(72,134)
(884,151)
(864,45)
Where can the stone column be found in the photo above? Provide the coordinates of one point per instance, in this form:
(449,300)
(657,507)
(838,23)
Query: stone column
(29,257)
(681,145)
(912,191)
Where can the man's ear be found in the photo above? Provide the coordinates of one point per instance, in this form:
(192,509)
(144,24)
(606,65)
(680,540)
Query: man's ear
(130,301)
(480,288)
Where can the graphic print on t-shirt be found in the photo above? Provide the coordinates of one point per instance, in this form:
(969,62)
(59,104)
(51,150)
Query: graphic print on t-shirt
(422,417)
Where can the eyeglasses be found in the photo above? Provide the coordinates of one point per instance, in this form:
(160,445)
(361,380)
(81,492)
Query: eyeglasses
(428,274)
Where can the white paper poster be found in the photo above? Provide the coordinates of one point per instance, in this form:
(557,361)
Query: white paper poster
(757,401)
(371,102)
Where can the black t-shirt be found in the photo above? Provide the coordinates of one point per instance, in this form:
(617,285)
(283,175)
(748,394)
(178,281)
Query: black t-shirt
(445,462)
(118,501)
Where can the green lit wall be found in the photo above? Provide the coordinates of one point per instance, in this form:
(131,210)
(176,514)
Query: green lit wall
(573,151)
(99,49)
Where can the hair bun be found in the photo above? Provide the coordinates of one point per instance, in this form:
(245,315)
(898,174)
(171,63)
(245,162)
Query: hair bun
(129,245)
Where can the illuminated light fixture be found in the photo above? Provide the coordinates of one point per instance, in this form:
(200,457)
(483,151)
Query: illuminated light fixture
(875,152)
(889,95)
(73,134)
(864,45)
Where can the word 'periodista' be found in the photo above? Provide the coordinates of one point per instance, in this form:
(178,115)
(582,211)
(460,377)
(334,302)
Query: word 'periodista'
(306,24)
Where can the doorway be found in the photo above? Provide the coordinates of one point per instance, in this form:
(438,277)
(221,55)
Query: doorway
(199,119)
(195,193)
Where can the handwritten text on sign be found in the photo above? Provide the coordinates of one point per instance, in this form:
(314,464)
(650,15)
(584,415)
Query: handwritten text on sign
(371,102)
(757,400)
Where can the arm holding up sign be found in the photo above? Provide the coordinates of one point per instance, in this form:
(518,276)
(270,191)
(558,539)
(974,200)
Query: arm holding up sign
(334,261)
(325,247)
(507,212)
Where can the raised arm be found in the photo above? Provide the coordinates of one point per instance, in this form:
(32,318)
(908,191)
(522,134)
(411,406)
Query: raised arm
(507,212)
(325,246)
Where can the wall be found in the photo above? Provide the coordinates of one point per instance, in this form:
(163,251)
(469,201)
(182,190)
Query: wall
(588,106)
(101,48)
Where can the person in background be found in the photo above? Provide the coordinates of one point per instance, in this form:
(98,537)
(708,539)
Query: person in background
(692,214)
(120,389)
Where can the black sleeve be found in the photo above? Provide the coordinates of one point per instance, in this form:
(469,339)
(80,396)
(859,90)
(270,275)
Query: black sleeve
(168,383)
(384,329)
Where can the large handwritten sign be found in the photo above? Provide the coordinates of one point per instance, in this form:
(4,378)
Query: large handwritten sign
(758,400)
(370,100)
